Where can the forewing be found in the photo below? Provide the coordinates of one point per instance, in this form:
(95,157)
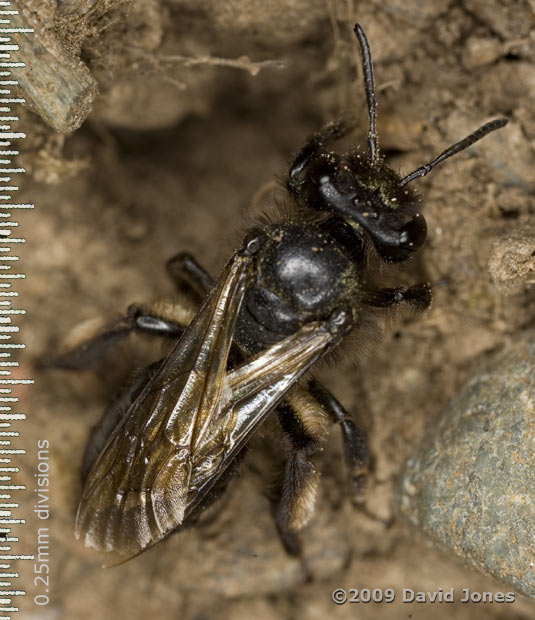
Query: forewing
(256,387)
(137,490)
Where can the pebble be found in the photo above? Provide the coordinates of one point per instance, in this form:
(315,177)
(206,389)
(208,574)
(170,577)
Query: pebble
(471,484)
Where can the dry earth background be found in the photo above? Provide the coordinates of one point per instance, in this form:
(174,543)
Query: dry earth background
(173,156)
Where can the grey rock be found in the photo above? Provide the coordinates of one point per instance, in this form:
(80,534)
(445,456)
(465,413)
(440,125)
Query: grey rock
(471,484)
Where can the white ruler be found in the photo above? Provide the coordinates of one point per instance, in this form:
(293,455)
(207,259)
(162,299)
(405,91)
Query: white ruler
(11,417)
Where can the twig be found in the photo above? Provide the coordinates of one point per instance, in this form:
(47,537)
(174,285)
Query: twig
(243,62)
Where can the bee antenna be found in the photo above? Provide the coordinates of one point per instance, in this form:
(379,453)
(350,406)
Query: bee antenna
(456,148)
(369,88)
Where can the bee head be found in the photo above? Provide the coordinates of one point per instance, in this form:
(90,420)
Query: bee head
(362,188)
(368,195)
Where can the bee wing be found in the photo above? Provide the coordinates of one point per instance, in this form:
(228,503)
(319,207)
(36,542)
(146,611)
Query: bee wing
(137,490)
(188,423)
(256,387)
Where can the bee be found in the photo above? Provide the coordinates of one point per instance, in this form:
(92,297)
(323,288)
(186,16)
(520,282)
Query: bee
(286,299)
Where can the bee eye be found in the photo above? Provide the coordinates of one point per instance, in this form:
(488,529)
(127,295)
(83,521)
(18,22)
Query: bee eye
(414,233)
(397,246)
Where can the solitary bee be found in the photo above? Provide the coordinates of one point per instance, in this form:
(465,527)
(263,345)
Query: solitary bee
(285,299)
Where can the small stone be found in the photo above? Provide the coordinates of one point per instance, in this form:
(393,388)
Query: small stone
(481,51)
(471,484)
(512,260)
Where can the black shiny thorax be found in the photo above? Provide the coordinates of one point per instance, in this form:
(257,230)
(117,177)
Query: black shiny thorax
(302,274)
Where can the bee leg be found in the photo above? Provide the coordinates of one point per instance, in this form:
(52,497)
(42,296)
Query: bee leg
(115,411)
(303,424)
(312,146)
(183,268)
(158,319)
(357,456)
(418,297)
(92,343)
(161,318)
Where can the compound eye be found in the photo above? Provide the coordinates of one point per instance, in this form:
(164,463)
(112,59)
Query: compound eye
(322,170)
(397,246)
(414,233)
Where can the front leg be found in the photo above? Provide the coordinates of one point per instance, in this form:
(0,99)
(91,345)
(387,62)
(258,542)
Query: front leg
(418,297)
(310,149)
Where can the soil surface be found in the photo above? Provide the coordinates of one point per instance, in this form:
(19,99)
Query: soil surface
(180,147)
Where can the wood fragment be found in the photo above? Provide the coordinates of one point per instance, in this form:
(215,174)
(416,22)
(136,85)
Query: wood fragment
(55,84)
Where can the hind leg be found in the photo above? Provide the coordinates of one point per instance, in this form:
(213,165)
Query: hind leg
(303,422)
